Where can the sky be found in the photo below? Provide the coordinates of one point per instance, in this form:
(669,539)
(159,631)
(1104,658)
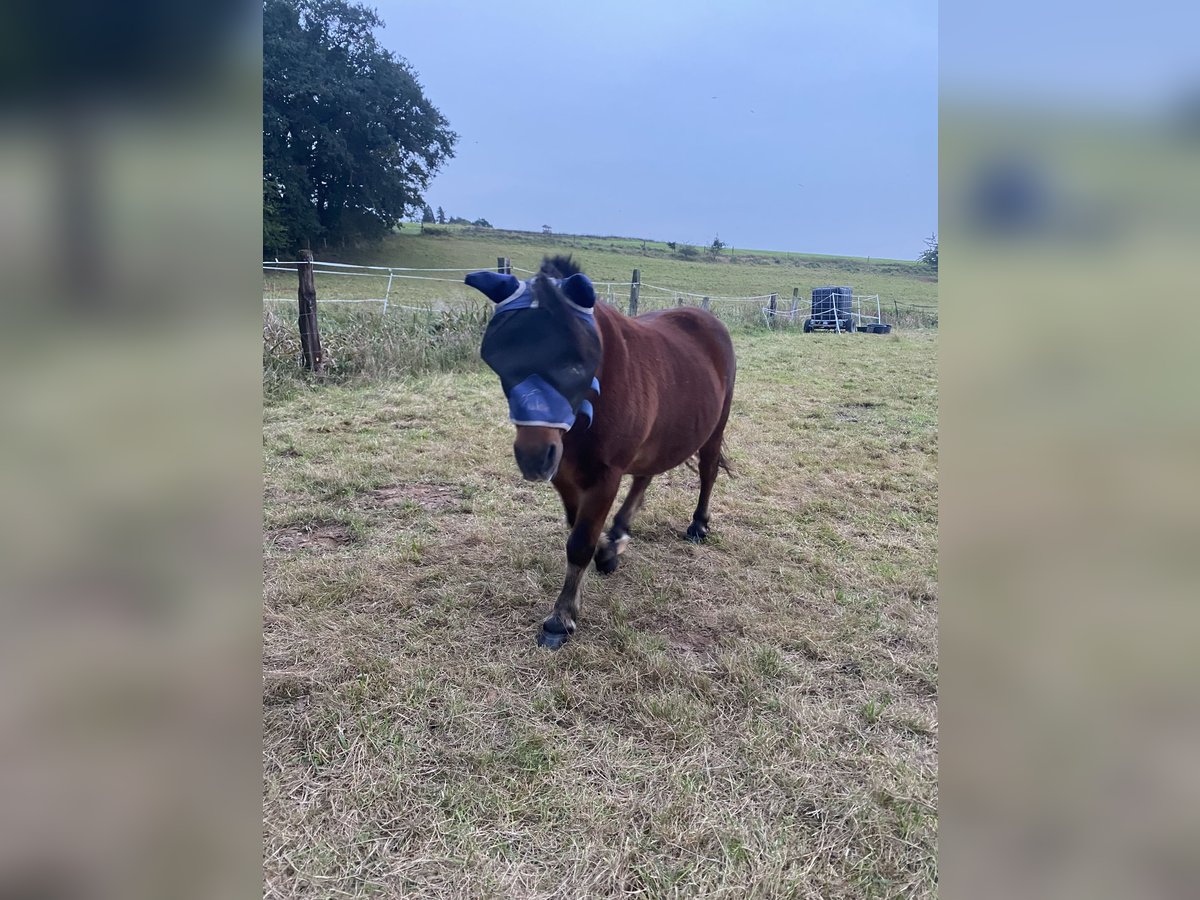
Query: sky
(807,127)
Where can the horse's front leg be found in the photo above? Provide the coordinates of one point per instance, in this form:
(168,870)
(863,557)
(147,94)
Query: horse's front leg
(594,504)
(568,492)
(618,535)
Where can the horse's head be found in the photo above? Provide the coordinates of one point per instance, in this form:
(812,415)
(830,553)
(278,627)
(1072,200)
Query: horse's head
(543,343)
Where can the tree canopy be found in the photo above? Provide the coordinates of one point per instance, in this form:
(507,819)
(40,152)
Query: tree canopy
(350,140)
(929,255)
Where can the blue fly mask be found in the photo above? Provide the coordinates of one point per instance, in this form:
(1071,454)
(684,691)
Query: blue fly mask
(543,343)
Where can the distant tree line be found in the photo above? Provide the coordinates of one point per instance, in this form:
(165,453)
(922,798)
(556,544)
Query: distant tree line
(429,218)
(350,141)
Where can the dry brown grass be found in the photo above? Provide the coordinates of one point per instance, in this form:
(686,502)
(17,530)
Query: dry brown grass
(755,717)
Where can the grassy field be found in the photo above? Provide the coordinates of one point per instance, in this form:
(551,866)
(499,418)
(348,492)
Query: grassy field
(749,273)
(434,321)
(753,717)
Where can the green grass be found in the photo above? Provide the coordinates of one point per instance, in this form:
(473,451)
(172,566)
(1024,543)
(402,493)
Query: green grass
(359,343)
(654,247)
(750,273)
(753,717)
(435,325)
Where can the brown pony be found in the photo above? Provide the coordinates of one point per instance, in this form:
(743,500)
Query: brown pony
(597,395)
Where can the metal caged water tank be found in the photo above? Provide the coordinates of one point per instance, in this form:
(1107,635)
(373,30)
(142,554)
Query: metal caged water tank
(832,309)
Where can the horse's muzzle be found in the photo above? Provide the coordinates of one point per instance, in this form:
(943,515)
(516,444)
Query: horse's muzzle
(538,463)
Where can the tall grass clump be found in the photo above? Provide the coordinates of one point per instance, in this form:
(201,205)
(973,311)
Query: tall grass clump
(361,343)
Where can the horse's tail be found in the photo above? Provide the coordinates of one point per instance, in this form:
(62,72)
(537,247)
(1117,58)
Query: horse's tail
(723,462)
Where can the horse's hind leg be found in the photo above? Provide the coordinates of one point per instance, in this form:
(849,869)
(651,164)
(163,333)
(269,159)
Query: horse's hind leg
(710,461)
(618,535)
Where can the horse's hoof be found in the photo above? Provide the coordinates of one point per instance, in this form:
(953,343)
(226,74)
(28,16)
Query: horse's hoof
(697,532)
(554,633)
(551,640)
(606,561)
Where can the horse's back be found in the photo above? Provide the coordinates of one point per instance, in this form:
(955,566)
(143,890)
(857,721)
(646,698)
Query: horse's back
(686,330)
(679,370)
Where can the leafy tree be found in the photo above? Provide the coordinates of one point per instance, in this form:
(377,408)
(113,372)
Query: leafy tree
(275,233)
(427,215)
(441,216)
(349,138)
(716,246)
(545,229)
(672,245)
(929,255)
(482,223)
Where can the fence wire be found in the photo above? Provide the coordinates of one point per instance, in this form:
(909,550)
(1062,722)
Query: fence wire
(429,291)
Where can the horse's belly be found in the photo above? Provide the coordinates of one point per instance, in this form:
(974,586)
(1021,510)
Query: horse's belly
(676,435)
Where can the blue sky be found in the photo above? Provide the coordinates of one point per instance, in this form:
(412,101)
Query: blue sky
(788,126)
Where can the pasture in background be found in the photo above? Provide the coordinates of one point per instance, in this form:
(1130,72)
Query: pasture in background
(401,308)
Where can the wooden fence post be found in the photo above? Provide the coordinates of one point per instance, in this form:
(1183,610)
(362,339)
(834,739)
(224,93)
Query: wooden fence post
(634,290)
(704,303)
(773,304)
(310,337)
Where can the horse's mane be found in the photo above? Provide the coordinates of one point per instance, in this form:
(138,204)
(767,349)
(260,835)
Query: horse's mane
(551,298)
(559,266)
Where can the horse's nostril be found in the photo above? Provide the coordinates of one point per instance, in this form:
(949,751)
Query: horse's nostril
(537,464)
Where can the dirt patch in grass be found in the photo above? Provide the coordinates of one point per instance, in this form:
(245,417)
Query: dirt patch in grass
(430,497)
(282,688)
(329,536)
(692,641)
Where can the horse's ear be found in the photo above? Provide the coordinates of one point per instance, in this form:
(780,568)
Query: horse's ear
(493,285)
(579,290)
